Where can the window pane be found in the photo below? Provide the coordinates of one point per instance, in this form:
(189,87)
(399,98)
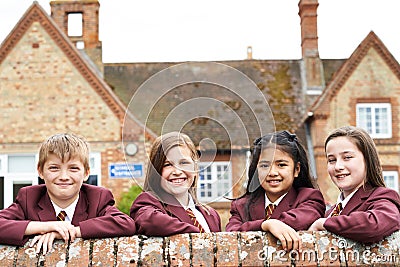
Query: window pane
(364,118)
(375,118)
(16,188)
(92,180)
(92,163)
(216,182)
(389,181)
(17,164)
(381,124)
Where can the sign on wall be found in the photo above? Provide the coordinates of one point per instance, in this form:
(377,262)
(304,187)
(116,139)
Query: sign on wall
(125,170)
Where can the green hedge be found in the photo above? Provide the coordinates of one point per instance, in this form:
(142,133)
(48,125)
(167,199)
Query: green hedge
(127,198)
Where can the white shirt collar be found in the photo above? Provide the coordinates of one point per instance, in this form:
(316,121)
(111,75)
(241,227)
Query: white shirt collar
(190,204)
(346,200)
(199,216)
(70,210)
(276,203)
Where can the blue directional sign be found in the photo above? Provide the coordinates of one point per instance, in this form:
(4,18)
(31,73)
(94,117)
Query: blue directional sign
(125,170)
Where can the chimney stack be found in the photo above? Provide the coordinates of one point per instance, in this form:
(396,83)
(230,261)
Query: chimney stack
(89,38)
(308,23)
(314,81)
(249,52)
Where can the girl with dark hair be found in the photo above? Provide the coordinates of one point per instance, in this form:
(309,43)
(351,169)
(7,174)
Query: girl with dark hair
(169,204)
(280,196)
(366,211)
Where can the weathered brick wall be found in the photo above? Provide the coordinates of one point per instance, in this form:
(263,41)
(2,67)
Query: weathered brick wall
(210,249)
(42,93)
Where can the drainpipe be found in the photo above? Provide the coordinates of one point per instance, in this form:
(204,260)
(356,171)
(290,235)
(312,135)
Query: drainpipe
(248,155)
(310,146)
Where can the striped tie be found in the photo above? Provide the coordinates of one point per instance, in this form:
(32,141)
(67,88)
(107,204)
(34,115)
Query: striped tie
(337,210)
(269,210)
(61,216)
(194,220)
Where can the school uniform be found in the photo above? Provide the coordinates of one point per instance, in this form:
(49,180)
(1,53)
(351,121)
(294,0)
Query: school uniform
(369,215)
(94,214)
(298,209)
(165,218)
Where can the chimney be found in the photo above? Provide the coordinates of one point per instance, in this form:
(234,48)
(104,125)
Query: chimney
(87,12)
(249,52)
(312,67)
(308,23)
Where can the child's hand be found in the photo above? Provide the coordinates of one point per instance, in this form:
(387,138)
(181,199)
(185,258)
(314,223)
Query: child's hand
(318,225)
(65,229)
(289,238)
(45,241)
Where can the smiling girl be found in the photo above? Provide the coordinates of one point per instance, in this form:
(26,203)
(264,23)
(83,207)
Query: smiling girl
(366,211)
(169,204)
(280,197)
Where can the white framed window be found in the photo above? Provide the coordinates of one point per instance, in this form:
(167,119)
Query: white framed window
(391,180)
(16,171)
(215,181)
(19,170)
(3,160)
(95,169)
(375,118)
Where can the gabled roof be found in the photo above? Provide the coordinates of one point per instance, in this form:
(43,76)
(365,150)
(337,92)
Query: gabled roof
(35,13)
(347,69)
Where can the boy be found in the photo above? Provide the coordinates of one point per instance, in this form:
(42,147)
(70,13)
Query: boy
(64,207)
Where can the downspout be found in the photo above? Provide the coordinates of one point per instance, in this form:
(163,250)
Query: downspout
(248,158)
(310,147)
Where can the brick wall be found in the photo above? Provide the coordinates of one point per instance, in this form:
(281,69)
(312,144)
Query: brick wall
(42,93)
(210,249)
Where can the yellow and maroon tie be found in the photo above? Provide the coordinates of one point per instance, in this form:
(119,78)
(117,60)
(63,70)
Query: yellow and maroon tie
(194,220)
(61,216)
(269,210)
(337,210)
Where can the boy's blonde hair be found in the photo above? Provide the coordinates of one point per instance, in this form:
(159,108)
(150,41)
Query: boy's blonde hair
(65,146)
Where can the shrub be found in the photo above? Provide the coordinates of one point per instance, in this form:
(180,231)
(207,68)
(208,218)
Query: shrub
(127,198)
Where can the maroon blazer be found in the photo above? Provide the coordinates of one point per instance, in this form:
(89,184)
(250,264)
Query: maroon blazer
(94,214)
(298,209)
(369,216)
(156,218)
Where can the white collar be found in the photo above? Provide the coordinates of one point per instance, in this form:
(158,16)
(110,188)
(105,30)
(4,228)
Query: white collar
(191,204)
(346,200)
(276,203)
(70,210)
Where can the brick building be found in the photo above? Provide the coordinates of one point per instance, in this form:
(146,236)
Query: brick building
(53,82)
(48,86)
